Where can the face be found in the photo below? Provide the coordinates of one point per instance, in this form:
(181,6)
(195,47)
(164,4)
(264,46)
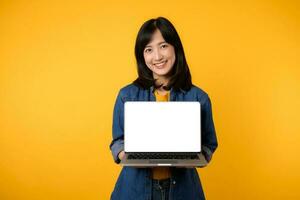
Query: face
(159,56)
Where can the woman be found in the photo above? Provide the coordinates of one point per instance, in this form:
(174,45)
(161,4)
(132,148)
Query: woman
(163,75)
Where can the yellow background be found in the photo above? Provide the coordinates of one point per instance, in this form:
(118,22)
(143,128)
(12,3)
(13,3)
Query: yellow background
(63,62)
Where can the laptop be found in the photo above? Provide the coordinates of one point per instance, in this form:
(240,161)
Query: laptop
(162,134)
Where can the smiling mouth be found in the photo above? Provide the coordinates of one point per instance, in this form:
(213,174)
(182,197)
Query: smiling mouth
(160,65)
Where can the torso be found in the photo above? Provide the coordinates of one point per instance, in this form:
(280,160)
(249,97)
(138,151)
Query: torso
(161,172)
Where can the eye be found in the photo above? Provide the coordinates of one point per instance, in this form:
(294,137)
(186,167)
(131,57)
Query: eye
(147,50)
(164,46)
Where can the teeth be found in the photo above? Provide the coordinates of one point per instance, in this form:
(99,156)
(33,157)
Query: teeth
(160,64)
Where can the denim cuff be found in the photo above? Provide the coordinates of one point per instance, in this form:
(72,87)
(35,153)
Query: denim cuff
(116,148)
(207,153)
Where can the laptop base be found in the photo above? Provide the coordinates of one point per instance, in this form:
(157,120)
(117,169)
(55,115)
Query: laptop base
(201,162)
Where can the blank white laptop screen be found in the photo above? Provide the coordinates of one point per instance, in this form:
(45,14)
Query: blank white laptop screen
(162,126)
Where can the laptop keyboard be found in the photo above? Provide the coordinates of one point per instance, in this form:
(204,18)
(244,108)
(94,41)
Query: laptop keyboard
(184,156)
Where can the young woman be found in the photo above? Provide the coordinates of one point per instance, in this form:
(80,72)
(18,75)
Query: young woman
(163,75)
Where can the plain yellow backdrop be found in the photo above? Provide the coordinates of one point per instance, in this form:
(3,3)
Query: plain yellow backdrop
(62,64)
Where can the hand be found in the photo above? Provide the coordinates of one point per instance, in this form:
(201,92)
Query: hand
(121,155)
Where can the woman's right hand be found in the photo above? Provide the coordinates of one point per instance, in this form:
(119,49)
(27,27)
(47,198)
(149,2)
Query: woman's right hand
(121,155)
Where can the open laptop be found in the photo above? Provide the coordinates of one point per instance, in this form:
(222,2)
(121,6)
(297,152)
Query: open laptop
(162,134)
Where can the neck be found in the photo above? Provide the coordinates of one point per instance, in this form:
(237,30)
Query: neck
(161,80)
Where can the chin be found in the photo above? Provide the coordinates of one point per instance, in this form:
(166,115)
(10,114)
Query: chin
(162,72)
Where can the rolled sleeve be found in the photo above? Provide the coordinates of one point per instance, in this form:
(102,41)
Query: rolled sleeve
(208,136)
(207,153)
(116,147)
(117,144)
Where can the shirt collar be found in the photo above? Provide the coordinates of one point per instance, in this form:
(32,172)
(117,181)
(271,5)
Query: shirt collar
(171,91)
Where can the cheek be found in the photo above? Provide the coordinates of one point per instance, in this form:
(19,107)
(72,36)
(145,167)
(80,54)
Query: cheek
(172,58)
(146,58)
(147,62)
(171,55)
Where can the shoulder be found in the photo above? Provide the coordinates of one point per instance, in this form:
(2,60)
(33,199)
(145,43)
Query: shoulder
(129,90)
(198,93)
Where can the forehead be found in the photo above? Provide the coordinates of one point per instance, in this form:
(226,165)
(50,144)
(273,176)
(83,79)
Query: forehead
(156,39)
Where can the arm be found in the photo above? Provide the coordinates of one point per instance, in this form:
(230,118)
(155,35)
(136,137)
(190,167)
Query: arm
(117,144)
(208,136)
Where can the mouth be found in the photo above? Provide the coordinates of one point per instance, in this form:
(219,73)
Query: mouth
(160,65)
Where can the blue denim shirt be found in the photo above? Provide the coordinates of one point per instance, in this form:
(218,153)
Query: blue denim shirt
(135,183)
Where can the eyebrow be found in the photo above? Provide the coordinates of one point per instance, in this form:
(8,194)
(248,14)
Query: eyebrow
(158,44)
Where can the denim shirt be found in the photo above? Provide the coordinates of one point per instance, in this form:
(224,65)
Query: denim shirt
(135,183)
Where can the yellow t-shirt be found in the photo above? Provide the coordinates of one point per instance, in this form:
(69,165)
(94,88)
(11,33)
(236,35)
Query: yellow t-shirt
(161,172)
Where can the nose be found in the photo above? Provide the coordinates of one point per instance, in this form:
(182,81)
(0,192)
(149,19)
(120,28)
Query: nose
(157,55)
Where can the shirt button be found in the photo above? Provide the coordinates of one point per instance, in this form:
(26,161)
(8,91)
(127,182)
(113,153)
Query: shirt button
(174,182)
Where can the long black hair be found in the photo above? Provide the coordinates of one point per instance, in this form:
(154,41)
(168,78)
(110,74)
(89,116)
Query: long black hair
(180,76)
